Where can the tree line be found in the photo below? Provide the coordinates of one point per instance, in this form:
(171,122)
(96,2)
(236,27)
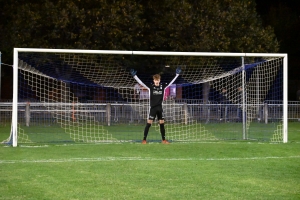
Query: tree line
(164,25)
(156,25)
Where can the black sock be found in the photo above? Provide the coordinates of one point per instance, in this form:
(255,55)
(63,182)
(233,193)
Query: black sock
(162,131)
(146,130)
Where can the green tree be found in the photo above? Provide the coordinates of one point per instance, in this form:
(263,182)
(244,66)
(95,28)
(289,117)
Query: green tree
(169,25)
(158,25)
(206,25)
(74,24)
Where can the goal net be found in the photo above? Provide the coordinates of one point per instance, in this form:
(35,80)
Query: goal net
(90,96)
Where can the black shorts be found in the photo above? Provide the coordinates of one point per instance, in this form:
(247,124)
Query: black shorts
(156,111)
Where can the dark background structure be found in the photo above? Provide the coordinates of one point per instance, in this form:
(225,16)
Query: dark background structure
(284,16)
(24,23)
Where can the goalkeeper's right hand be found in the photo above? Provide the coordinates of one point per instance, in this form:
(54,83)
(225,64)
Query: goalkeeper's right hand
(178,70)
(133,72)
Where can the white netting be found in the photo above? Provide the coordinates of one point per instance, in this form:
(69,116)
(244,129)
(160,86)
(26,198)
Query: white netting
(93,97)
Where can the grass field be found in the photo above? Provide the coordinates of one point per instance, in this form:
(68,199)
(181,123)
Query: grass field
(55,133)
(208,170)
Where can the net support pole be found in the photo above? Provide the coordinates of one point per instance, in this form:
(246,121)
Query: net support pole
(244,100)
(14,129)
(285,99)
(0,76)
(27,114)
(266,114)
(108,114)
(185,108)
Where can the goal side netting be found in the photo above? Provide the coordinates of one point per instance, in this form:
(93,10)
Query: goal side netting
(67,96)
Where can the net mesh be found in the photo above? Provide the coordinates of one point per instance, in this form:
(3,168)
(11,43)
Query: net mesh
(93,97)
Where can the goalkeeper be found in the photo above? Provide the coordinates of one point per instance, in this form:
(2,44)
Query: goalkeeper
(156,90)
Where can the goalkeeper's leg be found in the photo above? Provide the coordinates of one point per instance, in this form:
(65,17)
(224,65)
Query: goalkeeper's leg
(162,129)
(146,130)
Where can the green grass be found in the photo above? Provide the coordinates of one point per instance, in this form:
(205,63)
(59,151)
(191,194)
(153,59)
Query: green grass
(53,133)
(208,170)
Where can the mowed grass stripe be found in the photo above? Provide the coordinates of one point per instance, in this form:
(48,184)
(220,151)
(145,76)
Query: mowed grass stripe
(140,159)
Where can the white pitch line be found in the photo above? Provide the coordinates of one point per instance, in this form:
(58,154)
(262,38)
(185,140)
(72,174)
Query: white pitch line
(103,159)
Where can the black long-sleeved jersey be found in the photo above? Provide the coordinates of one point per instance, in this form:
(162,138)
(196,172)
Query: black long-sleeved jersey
(156,93)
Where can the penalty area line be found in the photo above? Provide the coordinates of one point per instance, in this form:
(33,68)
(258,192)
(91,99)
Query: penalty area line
(105,159)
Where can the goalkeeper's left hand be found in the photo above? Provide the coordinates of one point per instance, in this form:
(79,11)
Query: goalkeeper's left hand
(178,70)
(133,72)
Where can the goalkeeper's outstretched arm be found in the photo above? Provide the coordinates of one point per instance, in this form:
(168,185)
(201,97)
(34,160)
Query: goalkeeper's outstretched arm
(133,73)
(178,71)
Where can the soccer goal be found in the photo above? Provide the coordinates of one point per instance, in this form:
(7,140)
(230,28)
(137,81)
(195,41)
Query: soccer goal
(89,96)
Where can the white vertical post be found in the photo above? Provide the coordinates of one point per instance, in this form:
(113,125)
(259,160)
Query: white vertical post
(266,113)
(285,99)
(0,76)
(185,111)
(244,120)
(257,98)
(108,114)
(27,114)
(14,128)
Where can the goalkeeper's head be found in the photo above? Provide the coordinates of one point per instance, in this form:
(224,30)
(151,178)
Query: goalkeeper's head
(156,79)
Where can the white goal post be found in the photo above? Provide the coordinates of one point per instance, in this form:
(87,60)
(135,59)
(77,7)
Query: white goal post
(88,93)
